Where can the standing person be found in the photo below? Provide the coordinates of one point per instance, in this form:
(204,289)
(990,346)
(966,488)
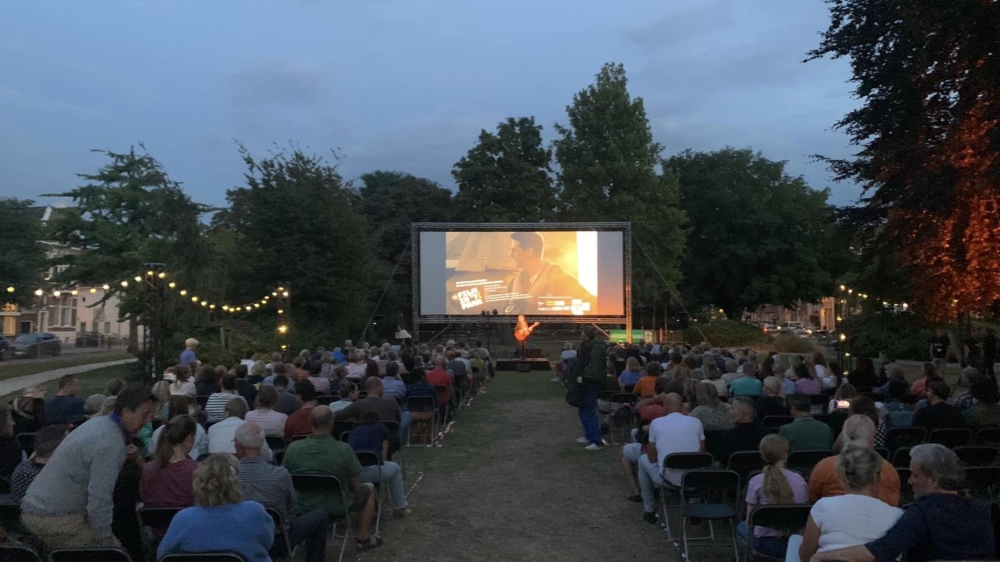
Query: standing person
(939,346)
(776,485)
(65,407)
(188,356)
(69,503)
(590,375)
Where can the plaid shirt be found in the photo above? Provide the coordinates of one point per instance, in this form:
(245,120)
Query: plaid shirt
(267,484)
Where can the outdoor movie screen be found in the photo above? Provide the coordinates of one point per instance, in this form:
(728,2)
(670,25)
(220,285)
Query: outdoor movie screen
(558,273)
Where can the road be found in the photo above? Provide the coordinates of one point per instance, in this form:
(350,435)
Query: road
(67,351)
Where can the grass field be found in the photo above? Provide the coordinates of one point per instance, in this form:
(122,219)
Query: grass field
(20,369)
(91,382)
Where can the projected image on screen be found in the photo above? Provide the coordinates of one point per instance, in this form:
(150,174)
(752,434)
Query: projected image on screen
(533,273)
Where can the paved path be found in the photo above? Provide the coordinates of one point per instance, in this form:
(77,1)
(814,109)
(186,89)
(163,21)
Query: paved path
(12,385)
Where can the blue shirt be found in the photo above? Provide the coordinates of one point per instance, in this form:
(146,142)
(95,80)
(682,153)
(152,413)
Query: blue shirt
(629,378)
(393,388)
(249,531)
(422,388)
(745,386)
(939,527)
(63,409)
(188,356)
(368,437)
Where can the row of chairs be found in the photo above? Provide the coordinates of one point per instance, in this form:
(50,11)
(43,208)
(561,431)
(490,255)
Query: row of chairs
(15,552)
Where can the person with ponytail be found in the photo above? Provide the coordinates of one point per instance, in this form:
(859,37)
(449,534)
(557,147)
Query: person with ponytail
(776,485)
(167,480)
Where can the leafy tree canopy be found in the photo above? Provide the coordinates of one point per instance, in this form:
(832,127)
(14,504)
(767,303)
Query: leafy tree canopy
(22,256)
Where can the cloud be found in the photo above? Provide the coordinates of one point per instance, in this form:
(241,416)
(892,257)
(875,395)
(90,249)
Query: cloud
(278,82)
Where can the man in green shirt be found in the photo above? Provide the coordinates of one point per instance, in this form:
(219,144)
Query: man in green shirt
(805,433)
(320,453)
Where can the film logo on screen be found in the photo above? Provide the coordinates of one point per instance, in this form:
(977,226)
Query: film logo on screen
(470,298)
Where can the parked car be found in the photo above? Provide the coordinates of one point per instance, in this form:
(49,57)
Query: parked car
(36,345)
(5,350)
(88,339)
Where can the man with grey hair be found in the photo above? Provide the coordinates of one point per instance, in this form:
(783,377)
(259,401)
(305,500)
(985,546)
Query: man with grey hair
(272,487)
(940,525)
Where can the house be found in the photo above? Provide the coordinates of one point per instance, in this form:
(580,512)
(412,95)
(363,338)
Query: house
(821,315)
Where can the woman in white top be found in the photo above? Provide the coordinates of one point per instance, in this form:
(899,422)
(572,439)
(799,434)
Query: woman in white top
(568,352)
(179,407)
(824,375)
(854,518)
(271,423)
(183,385)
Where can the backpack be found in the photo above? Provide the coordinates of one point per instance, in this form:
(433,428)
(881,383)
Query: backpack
(595,370)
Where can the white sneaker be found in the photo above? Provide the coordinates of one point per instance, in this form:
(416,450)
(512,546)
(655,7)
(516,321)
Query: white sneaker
(593,447)
(555,379)
(582,440)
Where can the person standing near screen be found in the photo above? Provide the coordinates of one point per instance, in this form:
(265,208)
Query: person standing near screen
(537,276)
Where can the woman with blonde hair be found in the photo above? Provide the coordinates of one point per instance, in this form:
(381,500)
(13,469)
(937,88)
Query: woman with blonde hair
(713,413)
(775,485)
(773,403)
(631,374)
(257,373)
(162,392)
(249,529)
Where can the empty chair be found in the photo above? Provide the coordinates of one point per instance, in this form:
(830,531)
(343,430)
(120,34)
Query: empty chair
(904,437)
(976,456)
(804,461)
(157,519)
(883,451)
(988,437)
(951,437)
(326,399)
(424,421)
(982,481)
(341,426)
(326,484)
(275,443)
(905,490)
(89,554)
(684,462)
(282,543)
(713,488)
(15,552)
(901,458)
(776,421)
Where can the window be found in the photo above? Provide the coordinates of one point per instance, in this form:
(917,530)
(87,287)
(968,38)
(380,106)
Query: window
(63,312)
(83,326)
(107,327)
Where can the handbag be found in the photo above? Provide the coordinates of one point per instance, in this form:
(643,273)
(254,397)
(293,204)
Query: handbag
(574,395)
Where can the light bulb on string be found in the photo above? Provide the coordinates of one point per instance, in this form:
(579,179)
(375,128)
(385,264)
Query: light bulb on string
(162,275)
(106,287)
(284,294)
(183,293)
(204,303)
(10,289)
(39,292)
(149,273)
(138,279)
(172,285)
(256,305)
(56,294)
(124,283)
(74,292)
(274,294)
(92,291)
(281,289)
(194,299)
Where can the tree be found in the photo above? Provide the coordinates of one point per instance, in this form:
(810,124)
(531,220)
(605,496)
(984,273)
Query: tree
(929,160)
(758,235)
(506,177)
(608,164)
(295,222)
(22,257)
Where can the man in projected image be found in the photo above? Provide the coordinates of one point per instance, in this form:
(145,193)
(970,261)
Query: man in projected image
(537,276)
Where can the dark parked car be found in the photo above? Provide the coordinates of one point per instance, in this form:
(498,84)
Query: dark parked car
(36,345)
(5,350)
(88,339)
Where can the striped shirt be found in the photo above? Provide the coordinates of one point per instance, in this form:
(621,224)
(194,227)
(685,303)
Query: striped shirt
(267,484)
(271,423)
(215,408)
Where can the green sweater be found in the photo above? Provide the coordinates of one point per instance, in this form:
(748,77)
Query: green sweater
(322,454)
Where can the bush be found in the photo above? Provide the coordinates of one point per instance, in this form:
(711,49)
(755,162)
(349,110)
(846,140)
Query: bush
(789,343)
(726,333)
(904,336)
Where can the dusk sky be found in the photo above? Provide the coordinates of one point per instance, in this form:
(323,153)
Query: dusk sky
(396,84)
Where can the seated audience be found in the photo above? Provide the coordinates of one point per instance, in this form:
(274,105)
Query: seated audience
(392,386)
(248,532)
(864,375)
(863,405)
(222,434)
(746,433)
(645,387)
(46,441)
(270,421)
(387,410)
(714,377)
(966,379)
(162,392)
(859,431)
(898,410)
(747,384)
(272,487)
(713,413)
(826,376)
(243,386)
(319,382)
(854,518)
(215,408)
(986,410)
(178,406)
(93,404)
(940,525)
(349,392)
(287,402)
(805,381)
(776,485)
(182,384)
(443,382)
(65,408)
(206,381)
(805,433)
(167,480)
(939,414)
(298,423)
(631,374)
(842,397)
(919,388)
(673,433)
(773,402)
(320,453)
(370,435)
(10,449)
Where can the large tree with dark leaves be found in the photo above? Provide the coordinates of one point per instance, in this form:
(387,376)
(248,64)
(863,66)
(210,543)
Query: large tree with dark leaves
(757,234)
(506,177)
(22,257)
(928,77)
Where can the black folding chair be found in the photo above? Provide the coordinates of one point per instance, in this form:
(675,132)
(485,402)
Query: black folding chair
(951,438)
(202,401)
(371,458)
(89,554)
(325,484)
(713,488)
(790,518)
(901,458)
(157,520)
(341,426)
(619,399)
(16,552)
(26,441)
(989,437)
(279,457)
(883,452)
(976,456)
(804,461)
(326,399)
(204,557)
(904,437)
(299,437)
(776,421)
(679,461)
(982,481)
(282,547)
(277,444)
(744,463)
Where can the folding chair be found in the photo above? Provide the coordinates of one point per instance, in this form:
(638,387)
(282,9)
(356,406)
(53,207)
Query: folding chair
(157,519)
(393,427)
(277,444)
(982,481)
(988,437)
(744,463)
(280,536)
(323,484)
(883,452)
(422,405)
(901,458)
(620,399)
(341,426)
(16,552)
(791,518)
(326,399)
(951,438)
(26,441)
(804,461)
(776,421)
(371,458)
(679,461)
(299,437)
(449,412)
(705,484)
(89,554)
(976,456)
(279,457)
(204,557)
(904,437)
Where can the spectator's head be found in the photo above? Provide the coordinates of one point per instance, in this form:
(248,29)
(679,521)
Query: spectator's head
(220,371)
(731,366)
(181,374)
(229,382)
(93,404)
(929,370)
(439,362)
(858,468)
(898,390)
(984,390)
(846,391)
(774,453)
(371,369)
(866,407)
(206,375)
(690,362)
(321,419)
(391,370)
(660,387)
(937,391)
(969,375)
(68,385)
(374,386)
(799,405)
(818,358)
(280,369)
(934,468)
(707,395)
(673,403)
(113,387)
(711,371)
(590,334)
(654,369)
(177,406)
(267,397)
(46,441)
(894,371)
(632,364)
(306,391)
(162,391)
(417,375)
(241,371)
(236,408)
(249,439)
(191,343)
(280,382)
(134,406)
(859,431)
(178,435)
(348,390)
(802,371)
(217,482)
(743,410)
(772,386)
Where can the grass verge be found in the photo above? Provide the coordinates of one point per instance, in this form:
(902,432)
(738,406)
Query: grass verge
(11,370)
(91,382)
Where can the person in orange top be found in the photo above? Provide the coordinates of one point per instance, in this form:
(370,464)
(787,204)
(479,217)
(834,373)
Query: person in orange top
(438,377)
(299,423)
(646,386)
(859,430)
